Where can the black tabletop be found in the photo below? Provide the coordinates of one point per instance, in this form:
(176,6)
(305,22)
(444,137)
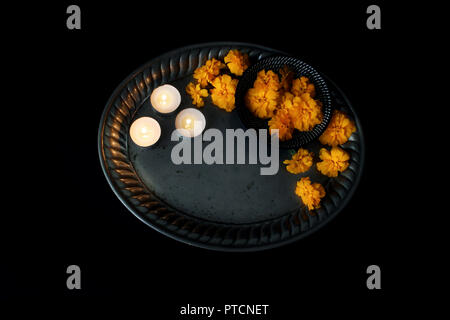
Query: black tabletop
(65,213)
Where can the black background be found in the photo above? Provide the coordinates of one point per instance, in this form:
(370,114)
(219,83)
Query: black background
(67,213)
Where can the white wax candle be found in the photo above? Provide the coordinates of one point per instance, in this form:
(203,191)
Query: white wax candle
(145,131)
(190,122)
(165,99)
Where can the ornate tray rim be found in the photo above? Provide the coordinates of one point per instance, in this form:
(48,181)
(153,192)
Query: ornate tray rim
(218,246)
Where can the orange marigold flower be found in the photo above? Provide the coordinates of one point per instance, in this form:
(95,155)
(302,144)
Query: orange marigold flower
(286,78)
(206,73)
(282,121)
(262,99)
(300,162)
(310,193)
(267,80)
(333,161)
(222,94)
(197,94)
(305,112)
(301,86)
(262,102)
(237,62)
(339,130)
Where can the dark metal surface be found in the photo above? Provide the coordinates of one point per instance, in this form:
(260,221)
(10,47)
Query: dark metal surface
(222,207)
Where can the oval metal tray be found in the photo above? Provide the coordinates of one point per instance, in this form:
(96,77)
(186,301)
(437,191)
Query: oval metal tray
(222,207)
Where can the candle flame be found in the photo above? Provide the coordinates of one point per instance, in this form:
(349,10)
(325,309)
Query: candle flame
(145,132)
(188,123)
(164,99)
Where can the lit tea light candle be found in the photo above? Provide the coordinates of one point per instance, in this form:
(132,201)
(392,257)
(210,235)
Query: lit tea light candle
(190,122)
(145,131)
(165,99)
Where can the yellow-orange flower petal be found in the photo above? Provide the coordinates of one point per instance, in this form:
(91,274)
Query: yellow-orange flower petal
(311,194)
(333,161)
(286,100)
(301,86)
(222,95)
(300,162)
(197,94)
(206,73)
(237,62)
(282,121)
(339,130)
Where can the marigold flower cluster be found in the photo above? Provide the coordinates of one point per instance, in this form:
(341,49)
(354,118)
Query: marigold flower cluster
(221,87)
(289,103)
(332,162)
(337,133)
(299,110)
